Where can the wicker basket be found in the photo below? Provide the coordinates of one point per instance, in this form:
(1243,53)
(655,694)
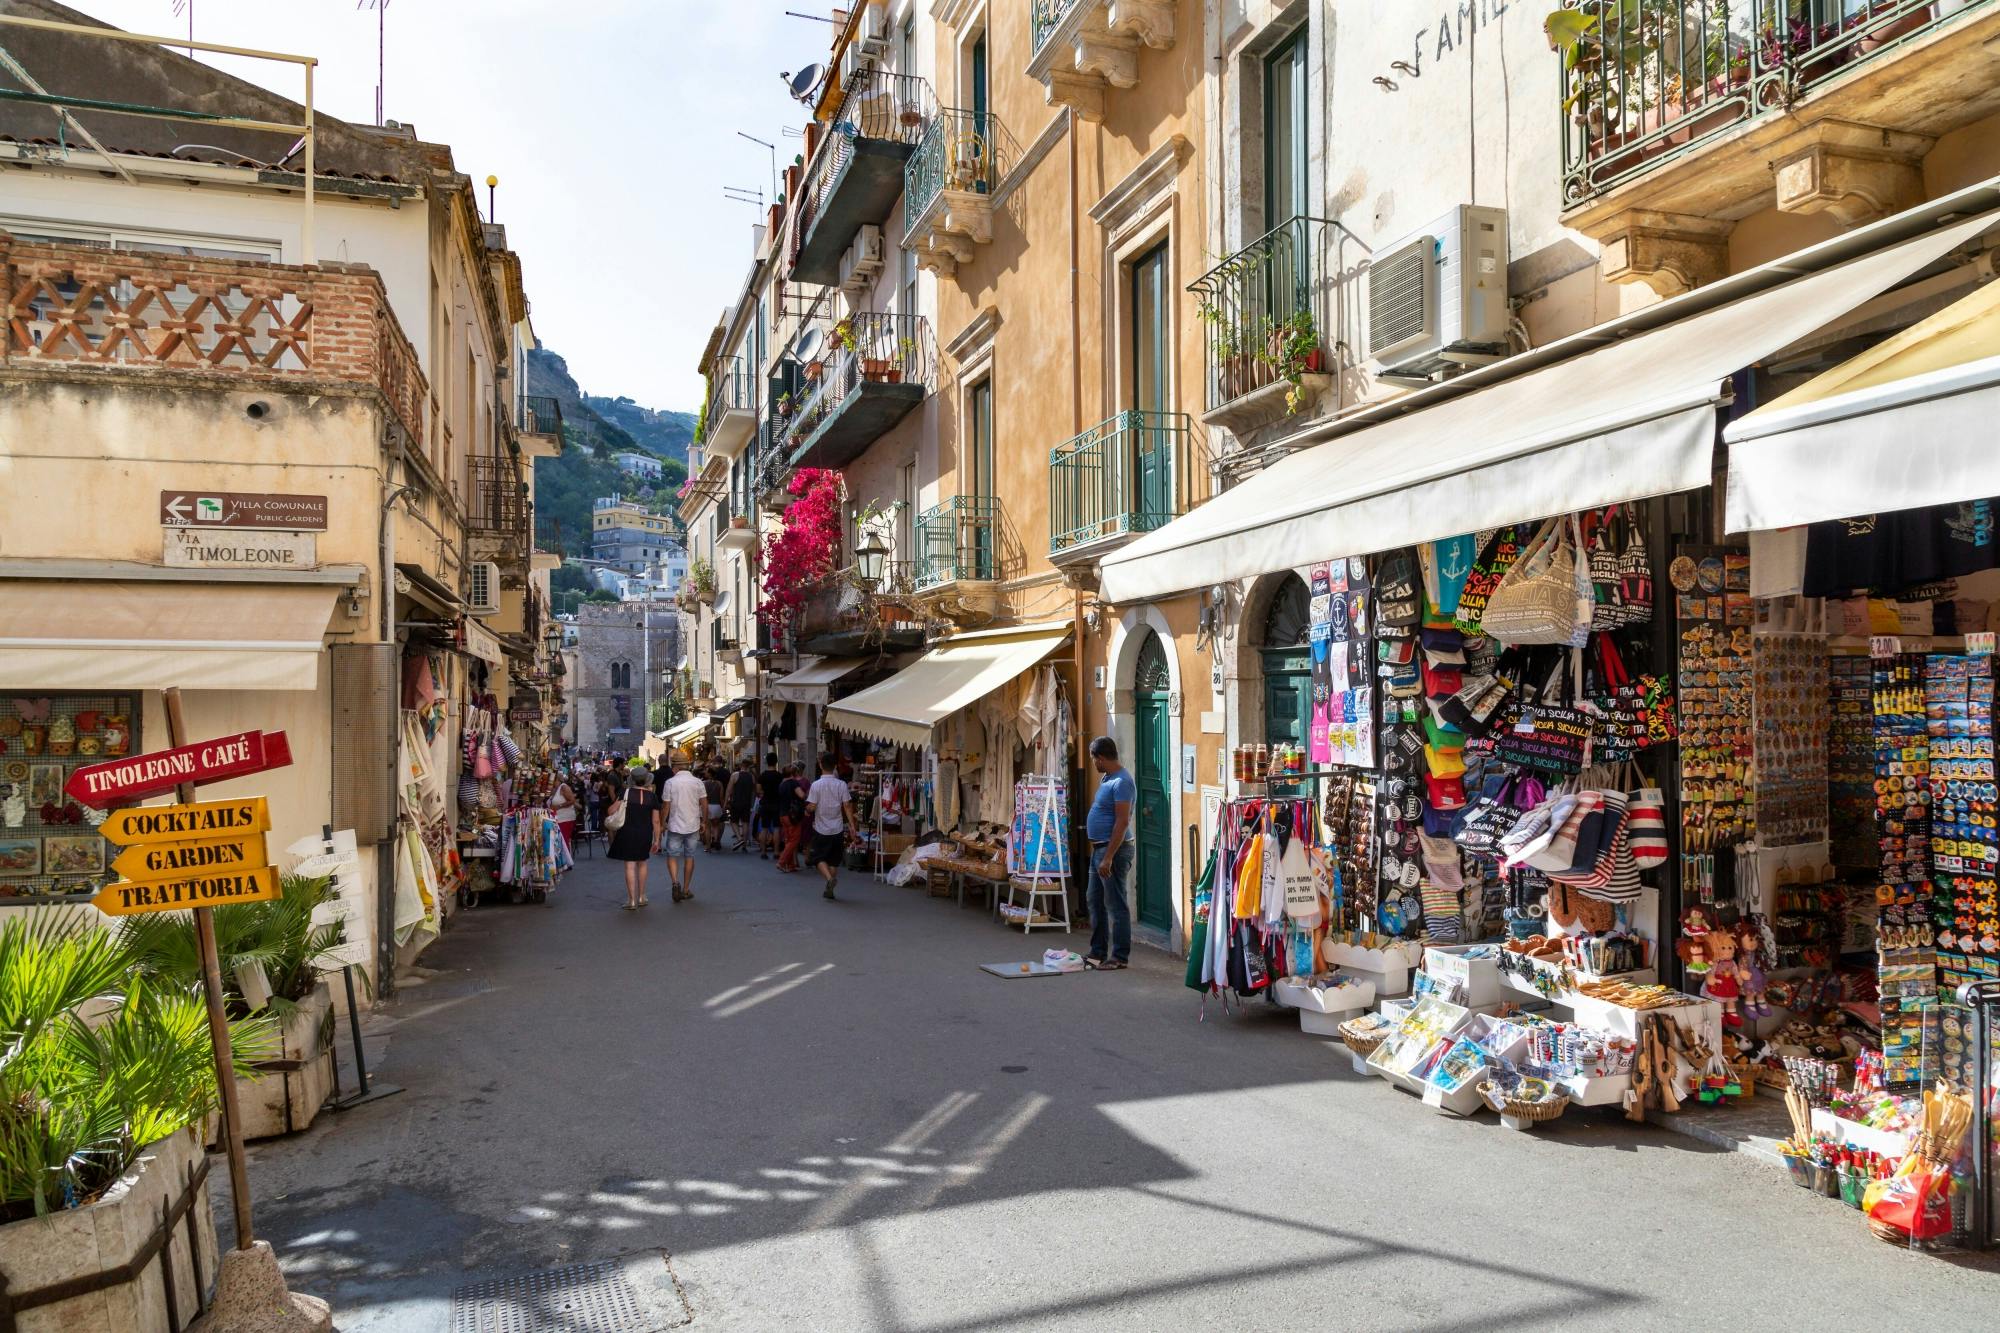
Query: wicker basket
(1360,1045)
(1547,1109)
(1889,1232)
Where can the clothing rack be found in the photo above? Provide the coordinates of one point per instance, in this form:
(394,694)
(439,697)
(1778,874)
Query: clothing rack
(914,814)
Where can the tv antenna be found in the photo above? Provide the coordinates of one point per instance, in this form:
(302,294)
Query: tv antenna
(774,157)
(381,8)
(743,194)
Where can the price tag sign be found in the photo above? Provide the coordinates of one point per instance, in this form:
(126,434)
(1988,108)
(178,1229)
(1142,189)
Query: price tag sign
(1433,1095)
(1884,645)
(1979,645)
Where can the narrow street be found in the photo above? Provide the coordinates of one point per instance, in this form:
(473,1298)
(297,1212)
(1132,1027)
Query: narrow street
(828,1118)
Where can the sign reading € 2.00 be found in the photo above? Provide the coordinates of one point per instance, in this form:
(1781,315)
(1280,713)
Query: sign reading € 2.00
(201,854)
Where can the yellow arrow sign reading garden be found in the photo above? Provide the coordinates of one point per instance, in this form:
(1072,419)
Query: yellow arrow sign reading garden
(239,886)
(177,860)
(183,823)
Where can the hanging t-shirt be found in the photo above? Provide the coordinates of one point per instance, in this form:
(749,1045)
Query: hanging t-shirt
(1887,553)
(1448,563)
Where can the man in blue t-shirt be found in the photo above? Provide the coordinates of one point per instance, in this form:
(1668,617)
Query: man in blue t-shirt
(1107,827)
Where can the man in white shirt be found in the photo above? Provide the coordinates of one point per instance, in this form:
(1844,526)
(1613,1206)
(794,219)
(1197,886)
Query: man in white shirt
(687,816)
(830,807)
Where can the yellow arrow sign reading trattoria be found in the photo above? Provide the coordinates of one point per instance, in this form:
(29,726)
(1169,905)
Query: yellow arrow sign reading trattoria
(155,861)
(241,886)
(184,823)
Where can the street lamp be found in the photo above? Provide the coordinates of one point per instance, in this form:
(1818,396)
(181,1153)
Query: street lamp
(869,558)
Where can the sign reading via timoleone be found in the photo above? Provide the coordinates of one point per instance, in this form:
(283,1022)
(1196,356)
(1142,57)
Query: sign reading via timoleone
(239,886)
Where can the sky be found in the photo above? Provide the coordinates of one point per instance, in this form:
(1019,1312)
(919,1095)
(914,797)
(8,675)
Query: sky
(610,123)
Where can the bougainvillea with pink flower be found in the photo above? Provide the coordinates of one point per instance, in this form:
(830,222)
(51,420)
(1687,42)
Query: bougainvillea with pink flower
(804,549)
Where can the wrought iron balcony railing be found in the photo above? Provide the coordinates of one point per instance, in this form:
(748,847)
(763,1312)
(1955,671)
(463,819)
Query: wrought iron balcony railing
(498,502)
(961,150)
(1044,17)
(1132,473)
(866,347)
(1651,79)
(1267,309)
(958,541)
(541,414)
(875,104)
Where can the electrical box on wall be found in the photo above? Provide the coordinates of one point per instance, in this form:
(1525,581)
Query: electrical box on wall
(1097,677)
(1437,300)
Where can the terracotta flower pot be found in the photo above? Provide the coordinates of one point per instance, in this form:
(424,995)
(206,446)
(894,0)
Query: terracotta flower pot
(1889,32)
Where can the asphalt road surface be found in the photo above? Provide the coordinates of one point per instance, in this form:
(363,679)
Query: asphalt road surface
(813,1115)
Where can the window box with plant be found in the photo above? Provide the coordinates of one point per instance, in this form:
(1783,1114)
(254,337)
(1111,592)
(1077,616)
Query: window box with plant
(701,574)
(106,1081)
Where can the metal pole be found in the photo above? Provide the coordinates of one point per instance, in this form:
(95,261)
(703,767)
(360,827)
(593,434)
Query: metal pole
(646,670)
(218,1025)
(311,252)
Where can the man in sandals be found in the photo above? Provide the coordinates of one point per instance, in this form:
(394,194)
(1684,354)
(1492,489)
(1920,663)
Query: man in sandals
(687,811)
(1107,827)
(830,808)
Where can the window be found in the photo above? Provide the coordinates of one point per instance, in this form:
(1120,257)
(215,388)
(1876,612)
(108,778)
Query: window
(1285,131)
(977,475)
(907,260)
(906,46)
(621,675)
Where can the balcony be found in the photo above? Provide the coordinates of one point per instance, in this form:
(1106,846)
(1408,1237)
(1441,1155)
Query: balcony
(1671,134)
(861,375)
(957,557)
(226,321)
(497,499)
(1082,47)
(739,534)
(949,186)
(1264,310)
(1131,474)
(540,421)
(856,177)
(731,415)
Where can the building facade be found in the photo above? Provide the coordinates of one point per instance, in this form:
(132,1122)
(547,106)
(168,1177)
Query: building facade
(628,536)
(623,656)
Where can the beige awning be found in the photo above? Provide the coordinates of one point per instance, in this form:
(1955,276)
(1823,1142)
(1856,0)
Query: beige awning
(1621,418)
(116,635)
(688,730)
(813,684)
(1908,423)
(904,708)
(482,643)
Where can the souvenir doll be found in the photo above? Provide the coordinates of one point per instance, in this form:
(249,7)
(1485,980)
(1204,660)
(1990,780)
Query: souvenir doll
(1750,970)
(1693,945)
(1724,983)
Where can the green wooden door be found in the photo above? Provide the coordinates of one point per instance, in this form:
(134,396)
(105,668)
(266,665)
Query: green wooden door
(1287,663)
(1153,774)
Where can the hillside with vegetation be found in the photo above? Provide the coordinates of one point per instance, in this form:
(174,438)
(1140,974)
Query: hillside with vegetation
(566,485)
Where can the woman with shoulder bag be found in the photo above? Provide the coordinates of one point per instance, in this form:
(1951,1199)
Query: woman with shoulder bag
(641,821)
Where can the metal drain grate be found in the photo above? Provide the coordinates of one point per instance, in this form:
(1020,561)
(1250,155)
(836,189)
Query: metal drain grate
(581,1298)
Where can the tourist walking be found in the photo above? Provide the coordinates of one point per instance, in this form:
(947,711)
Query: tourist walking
(712,777)
(742,800)
(563,809)
(830,807)
(791,817)
(638,837)
(687,821)
(765,818)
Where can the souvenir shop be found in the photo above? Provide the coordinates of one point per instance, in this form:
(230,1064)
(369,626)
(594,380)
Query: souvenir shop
(1682,798)
(961,770)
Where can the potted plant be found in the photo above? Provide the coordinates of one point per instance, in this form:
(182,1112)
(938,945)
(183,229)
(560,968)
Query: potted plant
(739,521)
(784,407)
(911,115)
(702,575)
(814,369)
(106,1077)
(1888,21)
(271,955)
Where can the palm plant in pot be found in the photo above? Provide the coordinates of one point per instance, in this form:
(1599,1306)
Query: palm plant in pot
(272,954)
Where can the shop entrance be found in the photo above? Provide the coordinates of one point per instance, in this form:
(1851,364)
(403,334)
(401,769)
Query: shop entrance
(1153,772)
(1287,665)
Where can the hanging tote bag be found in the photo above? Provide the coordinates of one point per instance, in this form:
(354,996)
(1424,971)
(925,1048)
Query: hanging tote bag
(482,758)
(1606,571)
(1635,572)
(1250,875)
(614,818)
(1537,601)
(510,750)
(1648,826)
(1301,887)
(1495,561)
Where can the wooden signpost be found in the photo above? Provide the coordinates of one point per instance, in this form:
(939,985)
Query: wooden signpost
(194,854)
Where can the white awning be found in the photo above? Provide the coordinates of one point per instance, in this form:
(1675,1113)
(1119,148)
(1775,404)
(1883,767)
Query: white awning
(694,726)
(112,635)
(1909,422)
(813,683)
(904,708)
(1628,420)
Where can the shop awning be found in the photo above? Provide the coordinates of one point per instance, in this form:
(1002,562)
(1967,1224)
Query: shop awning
(1909,422)
(904,708)
(147,635)
(421,587)
(687,730)
(1611,414)
(729,710)
(813,684)
(482,643)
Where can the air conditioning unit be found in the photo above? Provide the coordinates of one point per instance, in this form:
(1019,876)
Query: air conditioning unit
(862,263)
(483,599)
(1437,301)
(872,34)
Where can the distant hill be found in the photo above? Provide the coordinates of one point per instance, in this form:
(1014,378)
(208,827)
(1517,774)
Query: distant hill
(566,485)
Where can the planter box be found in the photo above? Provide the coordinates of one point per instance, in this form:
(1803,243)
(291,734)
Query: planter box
(284,1101)
(121,1229)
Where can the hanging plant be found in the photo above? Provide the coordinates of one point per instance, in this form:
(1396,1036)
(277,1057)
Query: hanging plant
(804,549)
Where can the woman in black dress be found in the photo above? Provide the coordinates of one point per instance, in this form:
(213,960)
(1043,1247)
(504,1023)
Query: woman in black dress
(638,837)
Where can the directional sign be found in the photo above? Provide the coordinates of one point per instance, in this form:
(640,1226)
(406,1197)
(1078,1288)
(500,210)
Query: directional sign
(243,509)
(135,778)
(239,886)
(155,861)
(205,820)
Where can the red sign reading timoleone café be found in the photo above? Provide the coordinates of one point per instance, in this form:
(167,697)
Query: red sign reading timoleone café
(119,780)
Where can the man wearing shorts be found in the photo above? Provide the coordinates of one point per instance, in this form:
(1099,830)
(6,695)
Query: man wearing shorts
(769,806)
(687,804)
(831,809)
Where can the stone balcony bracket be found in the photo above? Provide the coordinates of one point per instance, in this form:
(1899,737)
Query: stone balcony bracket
(1855,172)
(1669,252)
(1104,52)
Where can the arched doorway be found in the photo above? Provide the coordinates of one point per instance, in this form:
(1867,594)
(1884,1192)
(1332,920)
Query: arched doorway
(1287,662)
(1153,774)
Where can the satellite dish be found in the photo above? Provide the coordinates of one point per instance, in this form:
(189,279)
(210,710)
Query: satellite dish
(803,82)
(807,344)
